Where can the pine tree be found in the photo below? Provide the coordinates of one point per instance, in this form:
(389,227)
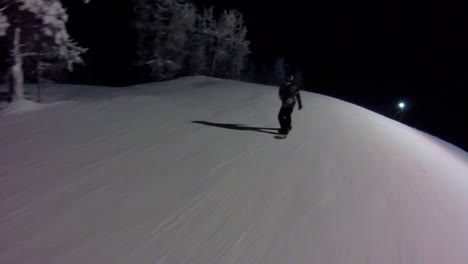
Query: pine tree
(231,47)
(241,47)
(208,29)
(175,40)
(3,23)
(37,28)
(203,40)
(164,30)
(178,46)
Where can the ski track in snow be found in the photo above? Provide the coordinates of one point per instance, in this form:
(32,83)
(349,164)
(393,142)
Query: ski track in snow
(123,176)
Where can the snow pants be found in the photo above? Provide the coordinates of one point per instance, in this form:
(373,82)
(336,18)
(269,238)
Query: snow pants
(284,118)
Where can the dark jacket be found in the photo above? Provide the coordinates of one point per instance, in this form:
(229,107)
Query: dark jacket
(289,93)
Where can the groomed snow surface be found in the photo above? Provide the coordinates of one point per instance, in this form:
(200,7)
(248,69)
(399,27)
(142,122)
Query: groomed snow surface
(188,171)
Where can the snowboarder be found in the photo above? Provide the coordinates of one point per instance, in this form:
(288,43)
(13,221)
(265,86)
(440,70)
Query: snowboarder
(288,93)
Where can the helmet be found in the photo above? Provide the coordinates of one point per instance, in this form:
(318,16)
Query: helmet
(289,78)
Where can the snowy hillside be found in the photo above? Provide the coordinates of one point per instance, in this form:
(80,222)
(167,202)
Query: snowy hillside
(188,171)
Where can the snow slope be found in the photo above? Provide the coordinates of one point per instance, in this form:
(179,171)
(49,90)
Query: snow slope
(179,172)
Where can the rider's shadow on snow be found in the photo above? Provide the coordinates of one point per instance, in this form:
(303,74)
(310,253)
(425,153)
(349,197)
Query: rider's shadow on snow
(268,130)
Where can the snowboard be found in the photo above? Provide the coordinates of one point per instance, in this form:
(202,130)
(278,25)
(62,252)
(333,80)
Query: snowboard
(281,136)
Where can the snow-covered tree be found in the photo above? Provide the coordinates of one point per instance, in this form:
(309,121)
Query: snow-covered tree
(241,48)
(3,23)
(203,40)
(231,46)
(179,46)
(164,30)
(174,39)
(37,28)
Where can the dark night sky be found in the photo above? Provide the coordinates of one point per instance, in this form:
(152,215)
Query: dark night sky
(371,53)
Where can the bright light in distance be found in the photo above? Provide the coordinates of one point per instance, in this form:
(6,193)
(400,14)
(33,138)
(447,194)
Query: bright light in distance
(401,105)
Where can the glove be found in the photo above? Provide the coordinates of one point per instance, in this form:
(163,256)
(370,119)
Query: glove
(300,107)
